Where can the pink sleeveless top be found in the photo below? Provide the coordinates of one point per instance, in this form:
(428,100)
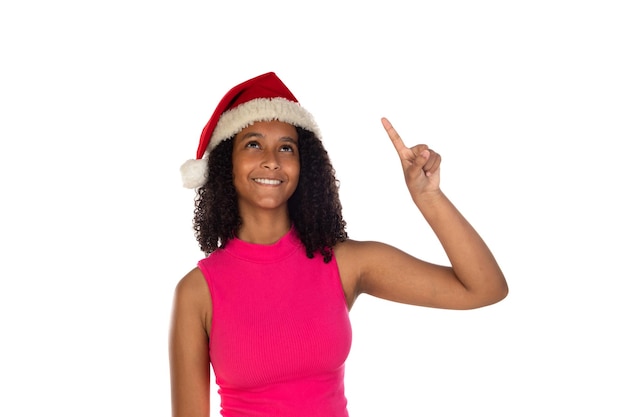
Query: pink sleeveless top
(280,332)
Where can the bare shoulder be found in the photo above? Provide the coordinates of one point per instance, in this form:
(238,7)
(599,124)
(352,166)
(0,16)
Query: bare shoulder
(351,258)
(192,296)
(192,283)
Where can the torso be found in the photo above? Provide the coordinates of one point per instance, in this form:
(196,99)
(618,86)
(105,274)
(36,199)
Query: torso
(348,270)
(278,314)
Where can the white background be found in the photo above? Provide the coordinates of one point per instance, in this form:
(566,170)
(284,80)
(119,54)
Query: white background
(100,103)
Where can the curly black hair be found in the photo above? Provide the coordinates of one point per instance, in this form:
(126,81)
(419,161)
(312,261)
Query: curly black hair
(314,208)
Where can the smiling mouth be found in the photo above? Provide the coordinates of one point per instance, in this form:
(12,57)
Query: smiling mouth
(267,181)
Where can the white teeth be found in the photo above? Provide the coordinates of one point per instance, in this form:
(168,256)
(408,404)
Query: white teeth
(267,181)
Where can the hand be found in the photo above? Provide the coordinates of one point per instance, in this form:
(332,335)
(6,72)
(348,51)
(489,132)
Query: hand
(420,164)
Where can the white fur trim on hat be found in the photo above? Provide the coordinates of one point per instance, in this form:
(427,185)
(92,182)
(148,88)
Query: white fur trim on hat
(194,172)
(261,109)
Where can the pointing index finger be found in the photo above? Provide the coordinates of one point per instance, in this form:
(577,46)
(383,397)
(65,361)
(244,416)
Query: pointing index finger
(393,135)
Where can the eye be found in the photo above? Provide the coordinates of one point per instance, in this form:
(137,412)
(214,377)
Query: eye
(286,148)
(253,144)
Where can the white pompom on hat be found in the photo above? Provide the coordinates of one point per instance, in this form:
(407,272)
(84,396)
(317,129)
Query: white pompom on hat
(263,98)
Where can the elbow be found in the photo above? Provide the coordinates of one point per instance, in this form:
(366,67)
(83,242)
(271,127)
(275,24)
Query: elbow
(487,296)
(503,288)
(504,292)
(497,293)
(499,296)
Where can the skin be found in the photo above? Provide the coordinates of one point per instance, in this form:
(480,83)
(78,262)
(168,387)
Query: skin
(266,170)
(473,280)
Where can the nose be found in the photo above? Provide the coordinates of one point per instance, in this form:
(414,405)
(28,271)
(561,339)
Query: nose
(270,161)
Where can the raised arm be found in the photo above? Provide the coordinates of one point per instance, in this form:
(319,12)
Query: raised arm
(473,278)
(188,347)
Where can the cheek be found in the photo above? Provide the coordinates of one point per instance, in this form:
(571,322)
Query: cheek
(237,168)
(236,180)
(295,172)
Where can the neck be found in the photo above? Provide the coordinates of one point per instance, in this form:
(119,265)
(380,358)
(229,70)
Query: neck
(263,228)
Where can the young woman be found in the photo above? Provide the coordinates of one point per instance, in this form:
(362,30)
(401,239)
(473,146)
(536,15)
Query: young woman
(268,306)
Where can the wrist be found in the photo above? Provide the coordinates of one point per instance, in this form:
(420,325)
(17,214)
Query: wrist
(431,198)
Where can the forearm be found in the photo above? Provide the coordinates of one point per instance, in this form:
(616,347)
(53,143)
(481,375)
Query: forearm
(472,262)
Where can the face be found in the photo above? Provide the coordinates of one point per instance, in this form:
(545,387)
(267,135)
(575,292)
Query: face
(266,165)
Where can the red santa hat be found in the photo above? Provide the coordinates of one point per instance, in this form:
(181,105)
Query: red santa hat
(263,98)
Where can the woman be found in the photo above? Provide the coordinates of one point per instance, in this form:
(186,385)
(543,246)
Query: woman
(268,307)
